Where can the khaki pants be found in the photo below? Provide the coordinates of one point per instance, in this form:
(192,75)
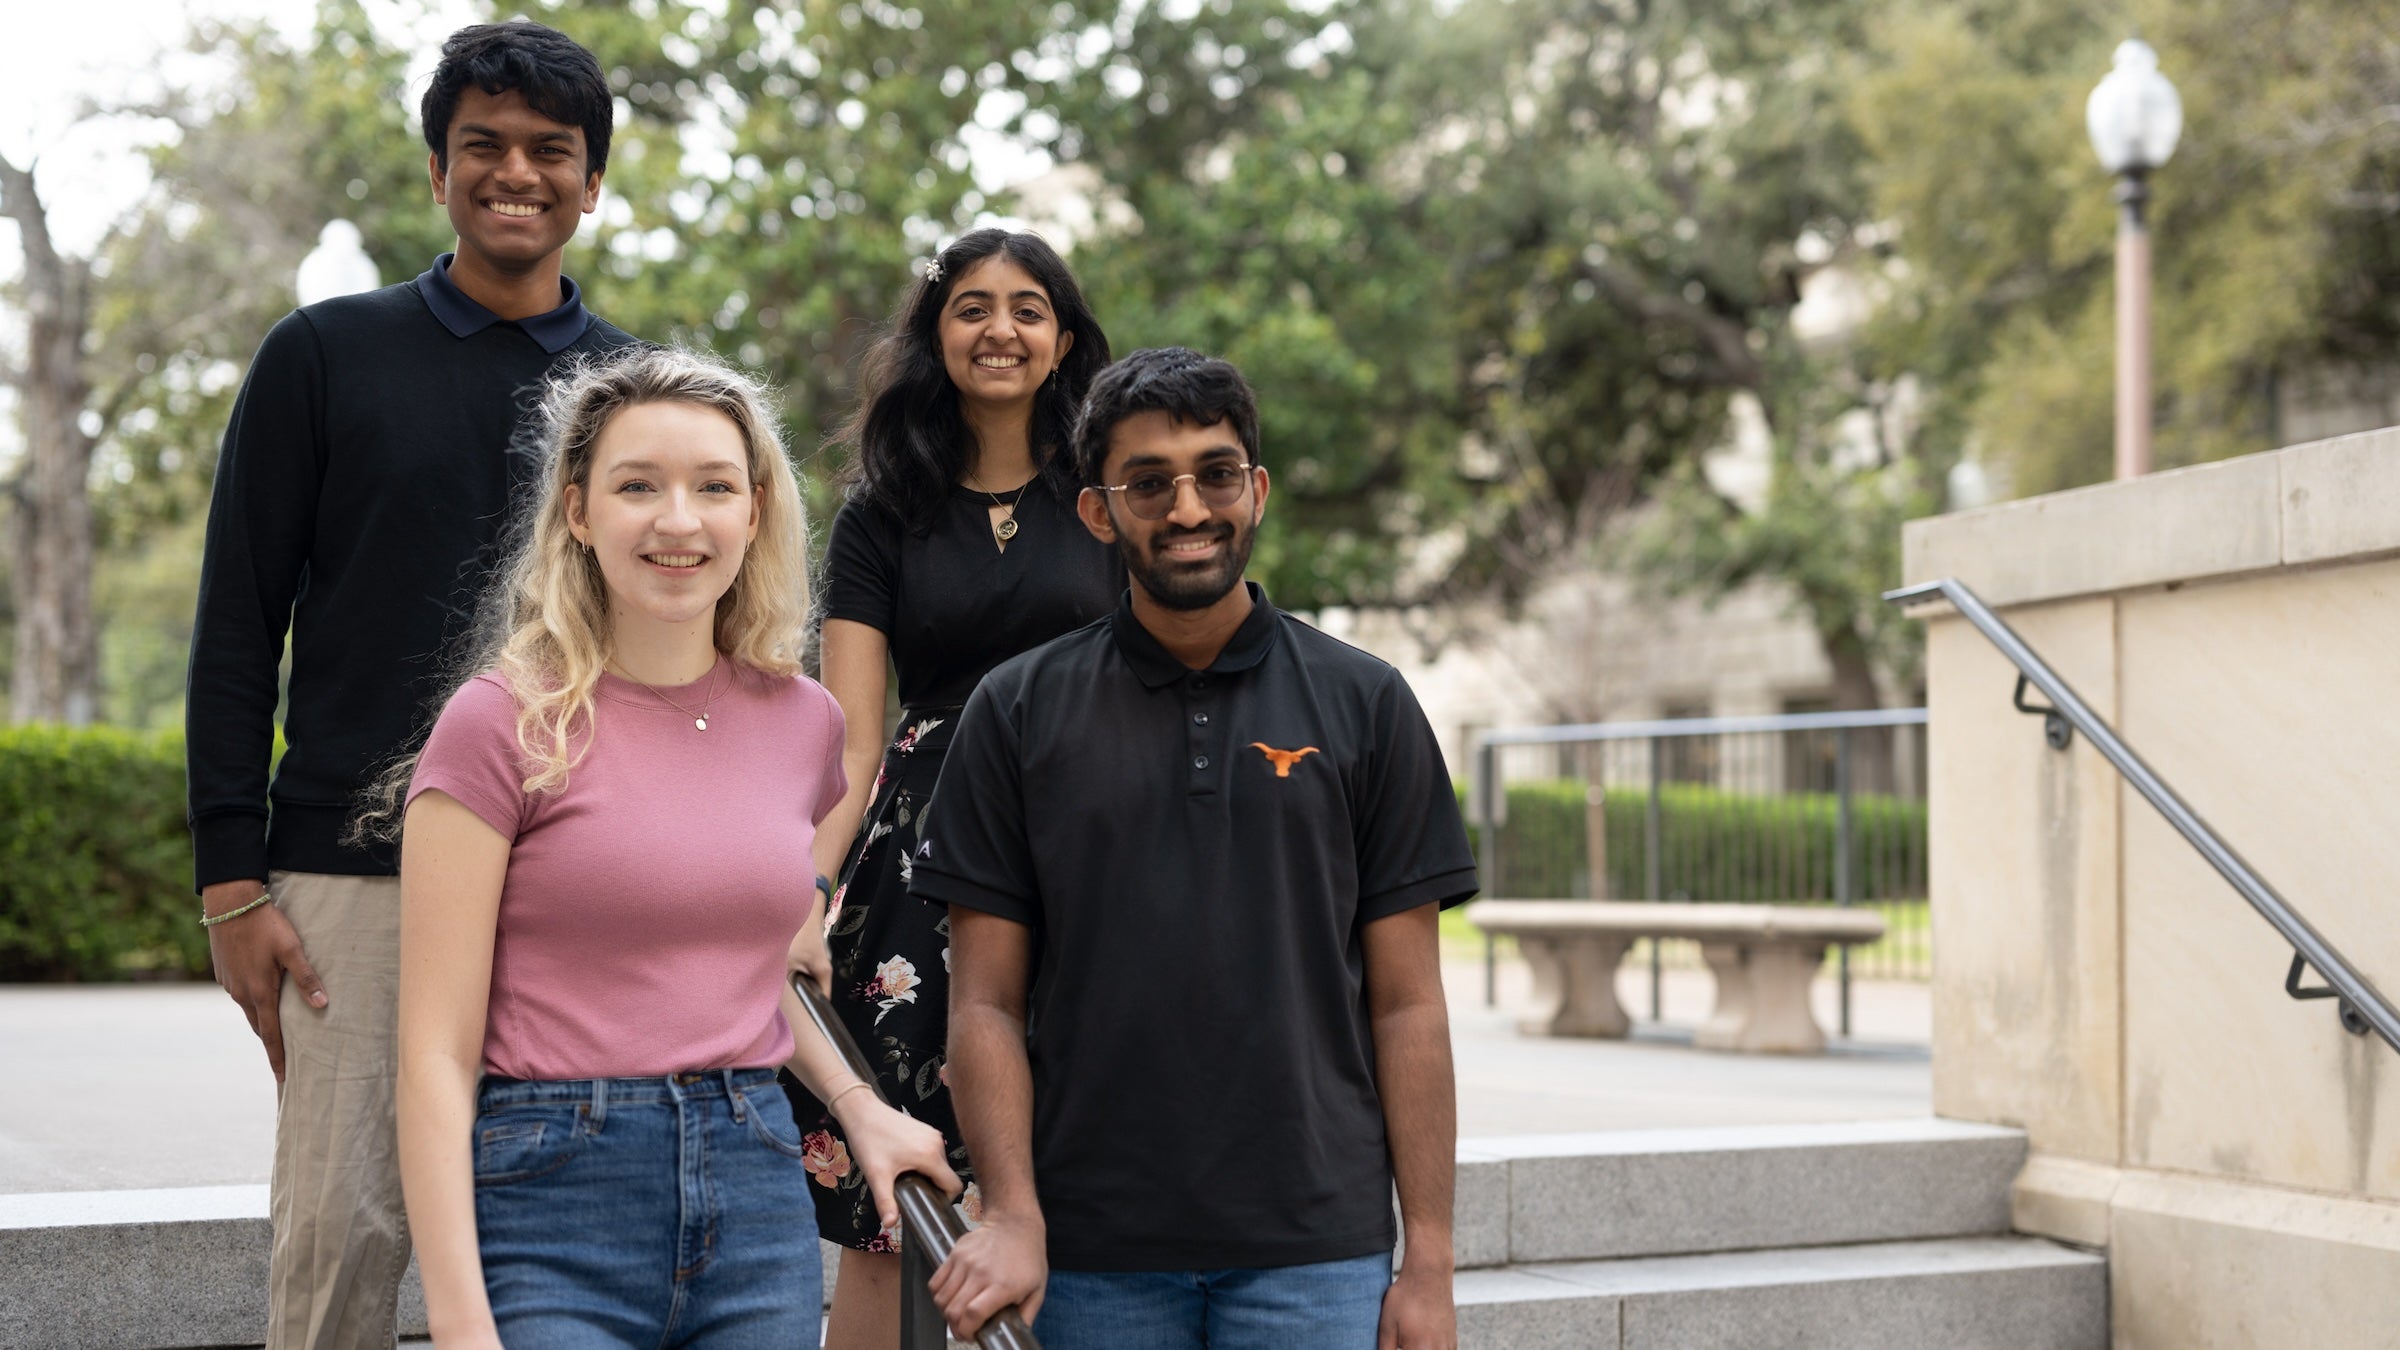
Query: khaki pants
(341,1236)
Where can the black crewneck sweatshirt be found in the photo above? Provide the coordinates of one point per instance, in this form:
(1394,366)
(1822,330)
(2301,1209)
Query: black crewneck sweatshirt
(369,467)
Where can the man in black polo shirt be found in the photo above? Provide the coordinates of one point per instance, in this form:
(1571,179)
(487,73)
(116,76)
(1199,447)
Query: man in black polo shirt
(364,479)
(1193,856)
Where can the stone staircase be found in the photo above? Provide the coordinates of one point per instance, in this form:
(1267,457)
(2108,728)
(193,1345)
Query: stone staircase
(1886,1235)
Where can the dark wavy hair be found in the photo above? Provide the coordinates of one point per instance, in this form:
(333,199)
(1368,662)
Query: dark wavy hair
(559,79)
(1187,386)
(908,441)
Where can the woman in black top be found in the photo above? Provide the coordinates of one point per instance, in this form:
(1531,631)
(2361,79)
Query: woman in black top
(957,548)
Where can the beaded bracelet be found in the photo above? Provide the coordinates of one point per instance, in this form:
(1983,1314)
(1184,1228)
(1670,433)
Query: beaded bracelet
(212,920)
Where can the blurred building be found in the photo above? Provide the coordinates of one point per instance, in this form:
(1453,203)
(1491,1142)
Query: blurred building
(1591,645)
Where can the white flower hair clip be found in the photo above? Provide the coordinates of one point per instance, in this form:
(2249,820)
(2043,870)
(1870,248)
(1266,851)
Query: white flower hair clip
(933,270)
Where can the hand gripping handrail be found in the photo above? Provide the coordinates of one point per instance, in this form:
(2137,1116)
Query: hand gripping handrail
(2363,1007)
(929,1227)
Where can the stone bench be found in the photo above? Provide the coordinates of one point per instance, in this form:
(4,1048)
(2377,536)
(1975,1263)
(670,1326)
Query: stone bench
(1763,956)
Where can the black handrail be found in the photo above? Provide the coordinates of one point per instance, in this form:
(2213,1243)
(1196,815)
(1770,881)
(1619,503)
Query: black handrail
(2363,1006)
(929,1227)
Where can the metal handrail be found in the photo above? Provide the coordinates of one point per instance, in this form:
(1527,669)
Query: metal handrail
(2363,1006)
(929,1227)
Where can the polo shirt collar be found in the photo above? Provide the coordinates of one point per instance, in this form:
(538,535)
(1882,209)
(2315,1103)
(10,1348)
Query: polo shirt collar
(459,312)
(1156,668)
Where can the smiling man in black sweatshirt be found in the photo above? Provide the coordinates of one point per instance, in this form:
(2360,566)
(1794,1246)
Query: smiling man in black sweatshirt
(366,475)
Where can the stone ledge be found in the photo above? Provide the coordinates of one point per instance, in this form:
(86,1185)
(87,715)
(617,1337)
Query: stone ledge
(1663,1192)
(2207,520)
(1479,1208)
(2307,505)
(97,1270)
(143,1270)
(2338,496)
(107,1269)
(83,1209)
(2341,1220)
(2206,1264)
(1976,1293)
(2064,1198)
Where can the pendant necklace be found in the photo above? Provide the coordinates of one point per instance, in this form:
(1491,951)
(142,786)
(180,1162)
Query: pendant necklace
(700,718)
(1005,528)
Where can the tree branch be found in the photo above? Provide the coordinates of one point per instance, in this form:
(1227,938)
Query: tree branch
(20,203)
(1727,339)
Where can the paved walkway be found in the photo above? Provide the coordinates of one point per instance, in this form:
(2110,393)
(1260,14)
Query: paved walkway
(1510,1083)
(136,1086)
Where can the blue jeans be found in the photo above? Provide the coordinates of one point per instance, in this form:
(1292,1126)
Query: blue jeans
(616,1212)
(1327,1305)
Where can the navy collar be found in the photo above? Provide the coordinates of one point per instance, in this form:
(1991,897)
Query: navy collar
(459,312)
(1156,668)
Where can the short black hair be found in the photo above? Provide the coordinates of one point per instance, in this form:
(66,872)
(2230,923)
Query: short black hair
(1180,382)
(559,79)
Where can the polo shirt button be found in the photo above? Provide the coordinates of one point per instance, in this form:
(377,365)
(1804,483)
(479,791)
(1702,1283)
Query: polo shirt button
(1199,761)
(1200,683)
(1199,719)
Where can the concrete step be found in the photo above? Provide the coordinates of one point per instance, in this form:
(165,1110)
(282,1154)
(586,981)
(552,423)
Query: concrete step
(100,1270)
(154,1270)
(1974,1293)
(188,1266)
(1627,1193)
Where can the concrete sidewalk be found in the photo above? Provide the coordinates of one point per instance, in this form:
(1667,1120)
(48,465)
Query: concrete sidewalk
(141,1086)
(1511,1083)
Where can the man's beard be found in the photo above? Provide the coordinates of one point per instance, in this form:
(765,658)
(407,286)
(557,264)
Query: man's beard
(1183,586)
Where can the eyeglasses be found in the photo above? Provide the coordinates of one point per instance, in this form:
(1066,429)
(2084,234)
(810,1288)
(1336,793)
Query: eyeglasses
(1151,495)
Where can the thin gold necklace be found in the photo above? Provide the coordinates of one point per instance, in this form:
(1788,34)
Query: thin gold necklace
(700,718)
(1005,528)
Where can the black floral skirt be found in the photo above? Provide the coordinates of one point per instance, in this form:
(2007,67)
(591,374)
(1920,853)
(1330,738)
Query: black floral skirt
(891,983)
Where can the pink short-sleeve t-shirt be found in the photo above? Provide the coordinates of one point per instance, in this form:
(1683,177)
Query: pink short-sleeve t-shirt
(650,902)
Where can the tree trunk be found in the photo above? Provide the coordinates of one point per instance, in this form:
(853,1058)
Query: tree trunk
(1853,675)
(1595,819)
(1871,748)
(57,649)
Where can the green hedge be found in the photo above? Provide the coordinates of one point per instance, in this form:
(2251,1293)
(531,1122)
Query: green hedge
(95,862)
(96,865)
(1714,845)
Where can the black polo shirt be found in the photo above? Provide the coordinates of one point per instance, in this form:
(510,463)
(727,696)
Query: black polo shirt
(1197,852)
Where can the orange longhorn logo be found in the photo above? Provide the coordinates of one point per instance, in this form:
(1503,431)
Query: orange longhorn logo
(1283,760)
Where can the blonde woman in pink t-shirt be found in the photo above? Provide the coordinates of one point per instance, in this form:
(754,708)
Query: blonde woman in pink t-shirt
(598,870)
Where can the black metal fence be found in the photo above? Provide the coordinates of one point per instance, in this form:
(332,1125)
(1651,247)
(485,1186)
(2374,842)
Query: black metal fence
(1808,808)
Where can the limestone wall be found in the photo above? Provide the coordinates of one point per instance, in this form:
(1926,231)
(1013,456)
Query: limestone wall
(2096,982)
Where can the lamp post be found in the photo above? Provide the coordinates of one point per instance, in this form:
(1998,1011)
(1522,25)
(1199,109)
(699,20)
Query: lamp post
(338,265)
(2134,118)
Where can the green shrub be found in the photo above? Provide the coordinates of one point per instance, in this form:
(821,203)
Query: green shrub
(95,862)
(1713,845)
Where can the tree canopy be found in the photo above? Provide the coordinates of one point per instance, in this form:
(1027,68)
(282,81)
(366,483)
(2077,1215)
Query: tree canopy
(1503,271)
(2273,224)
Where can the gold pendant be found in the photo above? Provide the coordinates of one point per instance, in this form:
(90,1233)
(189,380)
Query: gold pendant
(1006,529)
